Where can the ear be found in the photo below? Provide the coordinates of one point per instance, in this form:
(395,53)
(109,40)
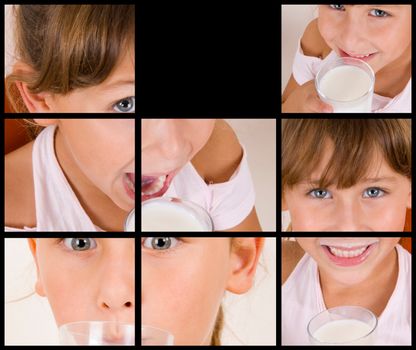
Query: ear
(33,248)
(35,103)
(245,255)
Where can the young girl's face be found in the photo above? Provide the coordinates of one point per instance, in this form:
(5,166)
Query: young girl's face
(358,30)
(377,249)
(86,279)
(184,280)
(98,154)
(378,203)
(168,144)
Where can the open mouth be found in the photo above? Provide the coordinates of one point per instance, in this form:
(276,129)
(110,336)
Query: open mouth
(363,56)
(129,183)
(348,256)
(155,186)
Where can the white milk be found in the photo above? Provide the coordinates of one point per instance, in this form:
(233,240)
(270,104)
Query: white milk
(343,331)
(347,88)
(130,224)
(167,217)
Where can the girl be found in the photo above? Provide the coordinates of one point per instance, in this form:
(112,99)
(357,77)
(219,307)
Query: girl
(346,174)
(73,58)
(173,288)
(376,275)
(77,175)
(201,161)
(379,35)
(102,289)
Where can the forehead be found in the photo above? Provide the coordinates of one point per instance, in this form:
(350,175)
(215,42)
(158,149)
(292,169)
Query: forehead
(376,166)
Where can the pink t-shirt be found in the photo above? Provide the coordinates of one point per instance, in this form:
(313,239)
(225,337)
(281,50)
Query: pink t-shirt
(57,206)
(305,68)
(228,203)
(302,299)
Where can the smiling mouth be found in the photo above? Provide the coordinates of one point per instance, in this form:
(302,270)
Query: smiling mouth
(349,256)
(362,56)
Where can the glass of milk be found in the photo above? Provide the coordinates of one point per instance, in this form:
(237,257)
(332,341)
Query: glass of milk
(130,225)
(343,325)
(174,215)
(347,84)
(156,336)
(97,333)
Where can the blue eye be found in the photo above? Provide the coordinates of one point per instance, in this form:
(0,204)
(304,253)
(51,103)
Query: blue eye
(160,243)
(374,192)
(379,13)
(320,193)
(337,7)
(126,105)
(80,244)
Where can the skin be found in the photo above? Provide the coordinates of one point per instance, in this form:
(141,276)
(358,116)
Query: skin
(369,284)
(101,98)
(350,209)
(91,285)
(356,29)
(172,298)
(210,144)
(94,155)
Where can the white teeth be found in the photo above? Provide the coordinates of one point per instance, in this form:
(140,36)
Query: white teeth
(156,186)
(347,253)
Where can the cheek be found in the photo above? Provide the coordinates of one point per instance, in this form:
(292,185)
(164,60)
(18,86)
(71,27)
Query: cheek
(65,294)
(389,218)
(183,301)
(328,27)
(305,216)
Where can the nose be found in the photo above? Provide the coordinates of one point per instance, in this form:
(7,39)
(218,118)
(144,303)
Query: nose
(348,216)
(172,139)
(352,30)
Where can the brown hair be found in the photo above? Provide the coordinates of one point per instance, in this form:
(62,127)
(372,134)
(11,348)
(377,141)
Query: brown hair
(69,46)
(219,324)
(355,143)
(32,128)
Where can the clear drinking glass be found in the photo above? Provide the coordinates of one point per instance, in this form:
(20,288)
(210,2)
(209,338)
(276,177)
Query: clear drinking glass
(343,325)
(174,215)
(129,225)
(347,84)
(156,336)
(97,333)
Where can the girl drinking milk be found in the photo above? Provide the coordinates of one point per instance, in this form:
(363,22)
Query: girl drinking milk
(380,35)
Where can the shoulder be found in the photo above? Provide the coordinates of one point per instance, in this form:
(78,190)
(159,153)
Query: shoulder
(291,255)
(19,188)
(312,42)
(220,157)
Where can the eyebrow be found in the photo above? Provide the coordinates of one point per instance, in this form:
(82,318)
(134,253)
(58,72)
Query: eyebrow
(380,179)
(365,180)
(118,83)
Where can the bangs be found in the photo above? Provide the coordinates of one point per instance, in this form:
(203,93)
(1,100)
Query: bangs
(344,151)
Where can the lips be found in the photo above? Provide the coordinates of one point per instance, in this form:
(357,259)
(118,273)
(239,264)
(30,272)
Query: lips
(156,186)
(348,257)
(360,56)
